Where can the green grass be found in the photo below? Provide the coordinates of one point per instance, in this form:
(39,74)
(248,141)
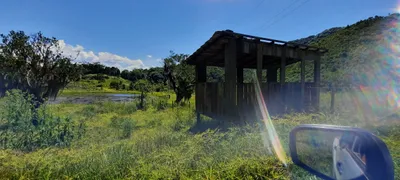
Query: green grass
(122,142)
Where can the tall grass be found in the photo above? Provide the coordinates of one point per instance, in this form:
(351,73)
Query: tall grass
(123,142)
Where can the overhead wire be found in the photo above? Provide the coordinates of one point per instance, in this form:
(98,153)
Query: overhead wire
(256,7)
(283,13)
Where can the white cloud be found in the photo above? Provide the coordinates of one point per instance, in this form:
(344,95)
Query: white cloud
(149,56)
(79,53)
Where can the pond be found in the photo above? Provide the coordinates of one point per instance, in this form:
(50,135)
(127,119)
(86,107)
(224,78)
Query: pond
(91,98)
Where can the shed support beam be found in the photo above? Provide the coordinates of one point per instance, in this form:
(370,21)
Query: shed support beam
(282,78)
(240,88)
(201,77)
(230,77)
(302,78)
(283,66)
(317,76)
(201,72)
(272,75)
(240,83)
(259,62)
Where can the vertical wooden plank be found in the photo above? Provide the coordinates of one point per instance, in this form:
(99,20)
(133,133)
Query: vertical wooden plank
(303,55)
(197,95)
(230,76)
(200,79)
(283,66)
(259,61)
(283,76)
(201,72)
(215,98)
(317,75)
(240,88)
(272,74)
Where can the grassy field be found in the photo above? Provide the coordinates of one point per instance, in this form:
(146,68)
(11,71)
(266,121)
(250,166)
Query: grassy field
(121,142)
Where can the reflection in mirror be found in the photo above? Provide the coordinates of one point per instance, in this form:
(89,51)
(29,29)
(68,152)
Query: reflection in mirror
(339,155)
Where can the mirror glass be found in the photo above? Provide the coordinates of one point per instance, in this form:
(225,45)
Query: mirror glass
(337,154)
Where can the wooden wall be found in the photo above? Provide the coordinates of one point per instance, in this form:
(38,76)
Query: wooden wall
(210,98)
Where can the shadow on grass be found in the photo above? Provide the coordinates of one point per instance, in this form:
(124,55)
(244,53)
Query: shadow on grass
(222,125)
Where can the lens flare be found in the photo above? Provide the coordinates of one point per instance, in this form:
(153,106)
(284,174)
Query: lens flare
(375,70)
(267,122)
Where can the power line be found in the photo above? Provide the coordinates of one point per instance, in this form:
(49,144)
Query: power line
(282,12)
(259,4)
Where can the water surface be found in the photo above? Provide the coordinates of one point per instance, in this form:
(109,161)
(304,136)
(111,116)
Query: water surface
(92,98)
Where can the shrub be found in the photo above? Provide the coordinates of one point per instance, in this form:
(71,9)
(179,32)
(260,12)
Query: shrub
(99,77)
(115,85)
(124,125)
(99,86)
(26,128)
(89,111)
(161,105)
(153,122)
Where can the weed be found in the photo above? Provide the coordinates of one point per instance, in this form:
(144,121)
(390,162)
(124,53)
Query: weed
(124,125)
(26,128)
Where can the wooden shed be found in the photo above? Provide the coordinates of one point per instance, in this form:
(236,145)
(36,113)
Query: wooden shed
(233,99)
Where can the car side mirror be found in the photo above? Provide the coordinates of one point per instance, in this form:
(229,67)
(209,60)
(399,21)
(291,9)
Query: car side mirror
(336,152)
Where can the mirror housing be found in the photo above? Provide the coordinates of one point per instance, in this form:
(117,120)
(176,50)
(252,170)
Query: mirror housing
(338,152)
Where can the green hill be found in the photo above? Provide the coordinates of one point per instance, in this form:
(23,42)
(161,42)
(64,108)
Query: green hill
(352,50)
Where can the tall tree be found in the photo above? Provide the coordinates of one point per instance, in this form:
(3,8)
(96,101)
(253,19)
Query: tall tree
(180,76)
(34,64)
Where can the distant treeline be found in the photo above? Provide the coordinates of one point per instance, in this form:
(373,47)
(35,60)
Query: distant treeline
(154,75)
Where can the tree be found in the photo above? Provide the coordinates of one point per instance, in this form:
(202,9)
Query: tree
(156,75)
(125,74)
(34,64)
(131,86)
(180,76)
(114,84)
(114,71)
(144,87)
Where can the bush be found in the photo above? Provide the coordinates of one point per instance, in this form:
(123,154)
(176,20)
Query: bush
(26,128)
(161,105)
(124,125)
(160,87)
(89,111)
(115,85)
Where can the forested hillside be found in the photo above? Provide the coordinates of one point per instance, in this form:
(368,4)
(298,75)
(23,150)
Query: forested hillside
(353,50)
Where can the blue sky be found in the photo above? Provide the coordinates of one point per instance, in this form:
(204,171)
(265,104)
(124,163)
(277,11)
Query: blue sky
(133,34)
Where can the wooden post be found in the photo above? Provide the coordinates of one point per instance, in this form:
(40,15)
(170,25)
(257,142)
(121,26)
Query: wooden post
(259,62)
(332,99)
(201,77)
(198,117)
(230,77)
(240,86)
(201,72)
(283,66)
(240,91)
(303,55)
(282,77)
(317,76)
(272,74)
